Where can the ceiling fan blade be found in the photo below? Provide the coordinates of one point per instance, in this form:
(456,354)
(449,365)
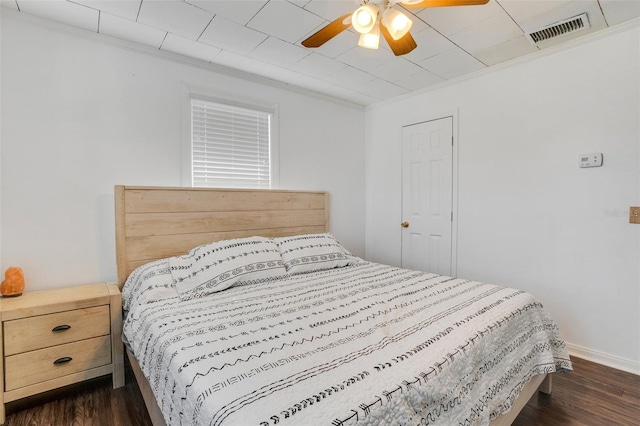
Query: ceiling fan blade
(327,33)
(412,4)
(401,46)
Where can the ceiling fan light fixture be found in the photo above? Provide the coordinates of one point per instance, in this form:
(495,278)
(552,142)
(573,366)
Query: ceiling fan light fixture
(397,23)
(375,17)
(364,18)
(370,40)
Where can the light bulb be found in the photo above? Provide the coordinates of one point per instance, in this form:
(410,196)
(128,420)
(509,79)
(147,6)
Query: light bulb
(400,22)
(397,23)
(370,40)
(364,18)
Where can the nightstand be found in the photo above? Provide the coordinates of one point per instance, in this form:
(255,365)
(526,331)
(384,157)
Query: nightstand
(59,337)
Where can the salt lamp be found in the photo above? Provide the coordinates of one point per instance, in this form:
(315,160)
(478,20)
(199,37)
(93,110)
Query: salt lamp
(13,284)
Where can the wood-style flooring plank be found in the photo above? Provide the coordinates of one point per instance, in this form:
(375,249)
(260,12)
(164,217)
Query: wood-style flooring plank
(92,403)
(591,395)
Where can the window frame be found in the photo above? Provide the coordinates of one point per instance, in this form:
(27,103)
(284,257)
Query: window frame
(195,92)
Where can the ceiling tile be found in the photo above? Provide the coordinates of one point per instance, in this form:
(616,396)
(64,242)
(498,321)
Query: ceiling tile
(121,28)
(476,66)
(365,59)
(231,36)
(341,92)
(175,16)
(380,89)
(523,10)
(317,65)
(430,43)
(277,52)
(451,64)
(240,12)
(449,20)
(395,70)
(123,8)
(489,32)
(506,51)
(240,62)
(350,77)
(253,66)
(11,4)
(331,10)
(300,3)
(184,46)
(285,21)
(284,75)
(618,11)
(65,12)
(317,85)
(419,81)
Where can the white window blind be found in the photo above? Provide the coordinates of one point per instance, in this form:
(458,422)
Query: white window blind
(230,146)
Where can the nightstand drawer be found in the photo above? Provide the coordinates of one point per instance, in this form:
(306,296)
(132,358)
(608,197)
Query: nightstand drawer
(28,334)
(45,364)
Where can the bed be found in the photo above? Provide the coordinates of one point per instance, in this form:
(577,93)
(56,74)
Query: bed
(353,343)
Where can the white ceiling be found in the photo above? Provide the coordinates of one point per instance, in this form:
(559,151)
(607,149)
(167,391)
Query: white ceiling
(262,37)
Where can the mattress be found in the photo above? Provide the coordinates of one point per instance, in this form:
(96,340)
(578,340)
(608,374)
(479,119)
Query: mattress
(365,344)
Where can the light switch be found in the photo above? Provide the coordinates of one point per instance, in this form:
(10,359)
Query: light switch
(634,215)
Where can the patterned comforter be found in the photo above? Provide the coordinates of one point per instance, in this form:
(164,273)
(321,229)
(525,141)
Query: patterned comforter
(365,344)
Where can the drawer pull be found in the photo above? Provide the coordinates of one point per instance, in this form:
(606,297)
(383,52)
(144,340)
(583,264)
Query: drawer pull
(62,360)
(63,327)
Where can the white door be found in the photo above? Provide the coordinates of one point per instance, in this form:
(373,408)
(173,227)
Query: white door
(427,196)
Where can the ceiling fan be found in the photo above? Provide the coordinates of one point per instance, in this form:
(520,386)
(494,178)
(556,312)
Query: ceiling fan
(379,16)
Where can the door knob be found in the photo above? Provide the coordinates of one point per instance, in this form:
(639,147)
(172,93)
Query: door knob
(405,224)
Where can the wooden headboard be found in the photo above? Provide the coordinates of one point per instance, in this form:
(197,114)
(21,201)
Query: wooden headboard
(158,222)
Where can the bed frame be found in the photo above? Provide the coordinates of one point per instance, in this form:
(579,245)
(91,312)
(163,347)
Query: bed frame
(158,222)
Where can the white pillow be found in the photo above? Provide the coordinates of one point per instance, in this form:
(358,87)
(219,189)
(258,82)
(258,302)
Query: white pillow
(149,283)
(214,267)
(312,252)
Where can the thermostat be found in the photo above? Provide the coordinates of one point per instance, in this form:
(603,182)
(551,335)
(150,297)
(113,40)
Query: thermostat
(591,160)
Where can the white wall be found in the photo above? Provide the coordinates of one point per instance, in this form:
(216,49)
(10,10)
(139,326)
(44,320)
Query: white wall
(528,216)
(1,272)
(81,115)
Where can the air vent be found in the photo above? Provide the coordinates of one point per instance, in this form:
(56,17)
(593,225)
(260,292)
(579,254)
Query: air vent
(567,26)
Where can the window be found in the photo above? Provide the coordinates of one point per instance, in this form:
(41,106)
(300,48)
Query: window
(230,146)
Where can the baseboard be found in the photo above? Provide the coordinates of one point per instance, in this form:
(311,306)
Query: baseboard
(609,360)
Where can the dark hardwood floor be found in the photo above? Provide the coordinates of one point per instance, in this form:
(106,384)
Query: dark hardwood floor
(591,395)
(92,403)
